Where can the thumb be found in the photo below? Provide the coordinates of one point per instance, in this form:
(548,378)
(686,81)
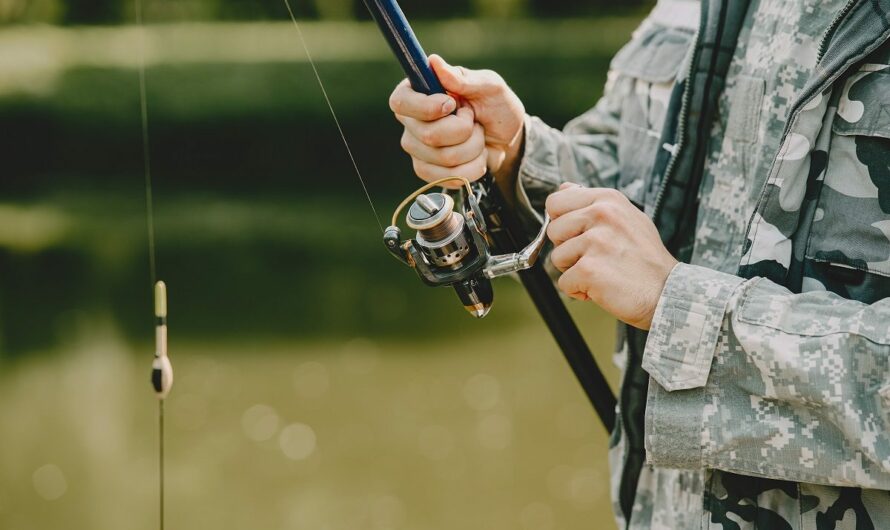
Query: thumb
(451,77)
(458,80)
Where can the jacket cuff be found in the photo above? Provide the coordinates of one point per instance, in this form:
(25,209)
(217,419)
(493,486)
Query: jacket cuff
(681,346)
(687,322)
(539,174)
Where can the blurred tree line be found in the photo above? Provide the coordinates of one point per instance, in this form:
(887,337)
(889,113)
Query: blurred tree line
(73,12)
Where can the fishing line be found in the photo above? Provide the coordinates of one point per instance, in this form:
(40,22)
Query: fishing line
(327,99)
(146,148)
(152,259)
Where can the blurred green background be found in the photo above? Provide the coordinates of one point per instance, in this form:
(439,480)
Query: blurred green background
(319,384)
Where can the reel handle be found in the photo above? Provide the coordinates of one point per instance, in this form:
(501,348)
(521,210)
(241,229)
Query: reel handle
(404,44)
(519,261)
(410,54)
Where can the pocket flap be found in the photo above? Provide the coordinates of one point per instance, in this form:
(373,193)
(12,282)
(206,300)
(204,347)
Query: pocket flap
(864,108)
(655,55)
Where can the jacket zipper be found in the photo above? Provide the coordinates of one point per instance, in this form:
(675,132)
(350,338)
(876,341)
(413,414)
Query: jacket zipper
(682,120)
(687,95)
(833,27)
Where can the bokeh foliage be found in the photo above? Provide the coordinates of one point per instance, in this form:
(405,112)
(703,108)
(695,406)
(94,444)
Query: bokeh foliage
(119,11)
(287,316)
(260,217)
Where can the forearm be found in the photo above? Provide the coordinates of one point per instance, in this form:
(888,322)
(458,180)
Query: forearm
(750,378)
(584,153)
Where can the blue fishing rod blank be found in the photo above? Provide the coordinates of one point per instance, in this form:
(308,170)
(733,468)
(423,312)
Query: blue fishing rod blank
(506,232)
(404,44)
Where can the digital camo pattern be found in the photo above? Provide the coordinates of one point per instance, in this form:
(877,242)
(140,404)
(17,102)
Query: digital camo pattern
(788,395)
(766,409)
(775,56)
(614,143)
(669,499)
(798,391)
(680,350)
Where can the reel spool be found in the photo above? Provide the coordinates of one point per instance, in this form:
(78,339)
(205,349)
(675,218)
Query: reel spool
(452,248)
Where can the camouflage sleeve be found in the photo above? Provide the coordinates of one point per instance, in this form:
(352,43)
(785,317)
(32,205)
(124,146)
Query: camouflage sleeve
(750,378)
(584,152)
(615,143)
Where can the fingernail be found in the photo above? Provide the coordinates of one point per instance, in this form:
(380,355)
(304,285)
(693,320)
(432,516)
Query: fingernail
(449,106)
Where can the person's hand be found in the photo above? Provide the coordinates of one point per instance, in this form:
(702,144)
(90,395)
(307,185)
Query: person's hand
(608,251)
(484,134)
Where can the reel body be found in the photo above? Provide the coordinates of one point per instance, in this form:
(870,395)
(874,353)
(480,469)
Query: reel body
(452,248)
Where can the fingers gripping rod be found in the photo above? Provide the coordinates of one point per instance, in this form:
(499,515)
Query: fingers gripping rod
(508,234)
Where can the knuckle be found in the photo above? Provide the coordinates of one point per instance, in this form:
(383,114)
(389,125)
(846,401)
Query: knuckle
(597,238)
(563,284)
(558,261)
(405,141)
(603,212)
(430,112)
(479,167)
(550,205)
(429,136)
(464,128)
(613,194)
(423,170)
(551,234)
(587,266)
(595,211)
(466,116)
(395,102)
(465,133)
(449,157)
(477,136)
(608,211)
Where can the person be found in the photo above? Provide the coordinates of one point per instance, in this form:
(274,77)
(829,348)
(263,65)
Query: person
(728,200)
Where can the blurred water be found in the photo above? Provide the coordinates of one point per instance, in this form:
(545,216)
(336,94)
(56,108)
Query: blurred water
(488,432)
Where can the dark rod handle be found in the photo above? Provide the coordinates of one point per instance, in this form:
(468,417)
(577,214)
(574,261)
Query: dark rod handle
(404,44)
(509,238)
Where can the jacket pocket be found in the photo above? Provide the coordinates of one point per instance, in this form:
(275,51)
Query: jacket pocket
(644,73)
(784,315)
(849,247)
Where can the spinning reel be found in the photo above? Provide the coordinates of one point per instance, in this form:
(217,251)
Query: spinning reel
(453,248)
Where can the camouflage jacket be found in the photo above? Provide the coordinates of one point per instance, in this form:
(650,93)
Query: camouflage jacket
(756,133)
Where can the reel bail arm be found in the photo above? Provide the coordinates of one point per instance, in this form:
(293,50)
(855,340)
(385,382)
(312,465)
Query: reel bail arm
(505,233)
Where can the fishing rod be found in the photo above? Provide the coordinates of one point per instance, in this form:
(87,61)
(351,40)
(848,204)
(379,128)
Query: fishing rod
(458,248)
(450,248)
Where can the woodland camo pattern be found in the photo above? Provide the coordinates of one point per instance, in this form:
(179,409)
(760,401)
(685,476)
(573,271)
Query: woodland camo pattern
(769,355)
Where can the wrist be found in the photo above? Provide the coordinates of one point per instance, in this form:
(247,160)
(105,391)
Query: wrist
(657,292)
(507,173)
